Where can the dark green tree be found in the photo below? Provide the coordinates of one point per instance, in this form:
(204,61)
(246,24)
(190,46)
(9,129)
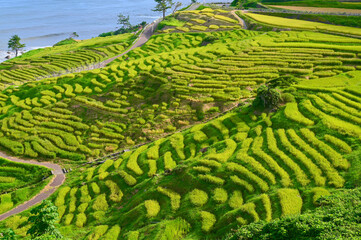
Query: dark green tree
(267,97)
(43,221)
(15,45)
(8,234)
(282,82)
(162,6)
(194,1)
(124,21)
(74,35)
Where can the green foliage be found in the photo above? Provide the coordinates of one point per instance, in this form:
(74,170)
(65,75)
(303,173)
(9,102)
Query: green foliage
(267,97)
(43,220)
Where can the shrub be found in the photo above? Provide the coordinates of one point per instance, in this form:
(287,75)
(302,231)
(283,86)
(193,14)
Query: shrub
(169,163)
(80,220)
(98,232)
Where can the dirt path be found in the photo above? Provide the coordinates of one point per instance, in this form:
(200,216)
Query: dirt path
(240,20)
(52,186)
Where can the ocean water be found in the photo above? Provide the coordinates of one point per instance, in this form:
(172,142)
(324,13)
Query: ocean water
(42,23)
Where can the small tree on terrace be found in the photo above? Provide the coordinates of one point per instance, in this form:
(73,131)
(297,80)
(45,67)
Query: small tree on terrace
(15,45)
(43,219)
(74,35)
(267,97)
(123,21)
(162,6)
(177,5)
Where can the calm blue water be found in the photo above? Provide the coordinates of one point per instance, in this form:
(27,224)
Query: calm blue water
(41,23)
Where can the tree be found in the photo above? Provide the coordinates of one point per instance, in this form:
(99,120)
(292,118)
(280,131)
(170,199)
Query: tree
(267,97)
(15,45)
(177,5)
(124,21)
(74,35)
(162,6)
(43,219)
(194,1)
(8,234)
(283,81)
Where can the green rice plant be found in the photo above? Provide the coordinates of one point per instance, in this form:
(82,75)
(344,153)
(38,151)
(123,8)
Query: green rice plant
(116,194)
(152,167)
(133,235)
(105,166)
(98,232)
(153,152)
(16,147)
(118,162)
(169,163)
(272,146)
(227,19)
(234,167)
(174,197)
(220,126)
(198,197)
(337,160)
(317,193)
(68,219)
(242,156)
(290,200)
(199,28)
(152,207)
(266,201)
(236,200)
(7,179)
(226,154)
(103,175)
(348,99)
(61,211)
(220,195)
(90,173)
(350,110)
(112,233)
(250,208)
(208,220)
(82,207)
(314,170)
(202,169)
(344,147)
(331,173)
(132,163)
(100,203)
(211,179)
(242,183)
(84,194)
(6,202)
(256,149)
(176,140)
(80,220)
(199,136)
(129,179)
(291,112)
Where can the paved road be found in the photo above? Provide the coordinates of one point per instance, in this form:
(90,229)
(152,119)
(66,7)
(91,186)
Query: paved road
(50,188)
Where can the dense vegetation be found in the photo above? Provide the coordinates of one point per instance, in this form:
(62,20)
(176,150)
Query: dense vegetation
(212,159)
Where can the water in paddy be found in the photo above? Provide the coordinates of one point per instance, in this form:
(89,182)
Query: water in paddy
(41,23)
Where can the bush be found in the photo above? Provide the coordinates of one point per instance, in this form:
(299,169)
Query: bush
(152,207)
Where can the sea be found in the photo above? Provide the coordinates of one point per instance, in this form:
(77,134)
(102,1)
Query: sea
(42,23)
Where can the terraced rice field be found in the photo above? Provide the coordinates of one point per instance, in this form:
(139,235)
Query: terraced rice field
(48,62)
(301,24)
(206,20)
(19,182)
(193,179)
(319,9)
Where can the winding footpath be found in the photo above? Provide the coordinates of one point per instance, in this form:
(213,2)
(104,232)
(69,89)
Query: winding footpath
(50,188)
(240,20)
